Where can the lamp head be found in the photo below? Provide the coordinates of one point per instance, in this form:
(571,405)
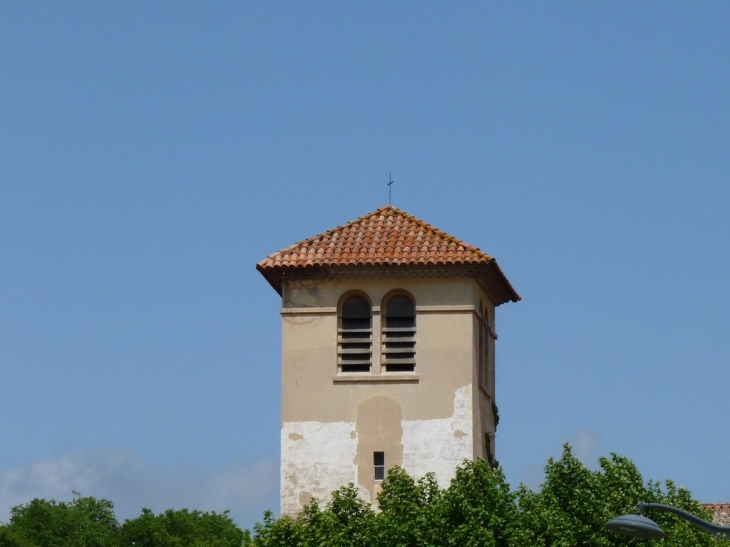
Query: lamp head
(636,526)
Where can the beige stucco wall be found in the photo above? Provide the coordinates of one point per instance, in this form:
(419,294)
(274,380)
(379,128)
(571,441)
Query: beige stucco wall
(483,415)
(429,420)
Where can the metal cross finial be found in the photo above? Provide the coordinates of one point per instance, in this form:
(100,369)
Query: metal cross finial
(390,187)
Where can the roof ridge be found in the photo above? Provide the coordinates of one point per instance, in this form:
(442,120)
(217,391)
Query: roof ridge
(424,224)
(328,232)
(452,239)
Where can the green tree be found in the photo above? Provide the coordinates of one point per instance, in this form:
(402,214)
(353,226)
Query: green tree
(10,538)
(82,522)
(273,532)
(347,521)
(408,511)
(353,518)
(479,509)
(180,528)
(574,504)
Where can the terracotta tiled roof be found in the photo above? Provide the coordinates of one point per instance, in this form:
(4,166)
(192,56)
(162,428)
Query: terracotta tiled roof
(386,237)
(721,512)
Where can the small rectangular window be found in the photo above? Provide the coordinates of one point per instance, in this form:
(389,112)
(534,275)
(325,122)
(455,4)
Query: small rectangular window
(379,465)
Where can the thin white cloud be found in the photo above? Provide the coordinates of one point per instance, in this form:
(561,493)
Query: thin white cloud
(130,482)
(585,445)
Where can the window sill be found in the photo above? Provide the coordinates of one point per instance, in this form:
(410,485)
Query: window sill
(386,378)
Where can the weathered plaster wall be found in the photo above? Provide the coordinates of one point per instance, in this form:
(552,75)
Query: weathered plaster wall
(318,457)
(440,445)
(483,425)
(430,420)
(379,429)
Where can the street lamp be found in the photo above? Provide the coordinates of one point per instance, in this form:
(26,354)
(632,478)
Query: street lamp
(639,526)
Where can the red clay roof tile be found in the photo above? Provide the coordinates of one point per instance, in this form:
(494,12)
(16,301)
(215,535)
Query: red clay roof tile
(720,512)
(385,237)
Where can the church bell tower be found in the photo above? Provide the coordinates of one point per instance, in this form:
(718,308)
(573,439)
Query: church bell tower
(387,354)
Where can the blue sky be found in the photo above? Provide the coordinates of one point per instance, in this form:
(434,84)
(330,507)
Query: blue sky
(151,153)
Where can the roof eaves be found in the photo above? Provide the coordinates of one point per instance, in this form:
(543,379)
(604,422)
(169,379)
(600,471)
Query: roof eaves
(270,274)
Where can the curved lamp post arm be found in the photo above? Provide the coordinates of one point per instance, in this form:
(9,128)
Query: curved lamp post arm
(710,528)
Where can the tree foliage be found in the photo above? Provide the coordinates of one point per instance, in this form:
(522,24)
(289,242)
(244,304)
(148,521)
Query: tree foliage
(181,528)
(82,522)
(90,522)
(574,504)
(477,509)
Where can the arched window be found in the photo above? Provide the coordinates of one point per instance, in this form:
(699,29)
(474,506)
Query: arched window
(482,344)
(399,335)
(488,343)
(355,335)
(485,333)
